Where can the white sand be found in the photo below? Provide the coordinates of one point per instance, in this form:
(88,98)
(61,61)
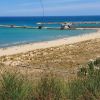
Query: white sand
(41,45)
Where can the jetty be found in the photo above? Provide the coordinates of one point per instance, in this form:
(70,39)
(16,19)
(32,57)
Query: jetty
(70,25)
(14,26)
(62,25)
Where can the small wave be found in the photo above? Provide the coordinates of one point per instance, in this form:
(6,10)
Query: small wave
(13,44)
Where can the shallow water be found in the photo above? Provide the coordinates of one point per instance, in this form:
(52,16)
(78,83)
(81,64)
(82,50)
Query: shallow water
(14,36)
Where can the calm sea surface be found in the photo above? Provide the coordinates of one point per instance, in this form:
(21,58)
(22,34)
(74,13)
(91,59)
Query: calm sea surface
(14,36)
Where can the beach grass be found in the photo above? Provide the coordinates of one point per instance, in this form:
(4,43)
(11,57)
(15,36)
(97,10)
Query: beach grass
(50,87)
(14,87)
(86,86)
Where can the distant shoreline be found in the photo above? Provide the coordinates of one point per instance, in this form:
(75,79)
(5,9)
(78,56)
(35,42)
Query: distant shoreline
(48,44)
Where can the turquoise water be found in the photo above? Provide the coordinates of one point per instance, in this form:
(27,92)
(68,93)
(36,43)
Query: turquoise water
(15,36)
(10,36)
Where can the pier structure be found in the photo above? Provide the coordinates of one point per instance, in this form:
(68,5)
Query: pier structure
(14,26)
(63,25)
(68,25)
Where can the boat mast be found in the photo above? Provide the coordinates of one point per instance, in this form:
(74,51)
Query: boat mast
(42,6)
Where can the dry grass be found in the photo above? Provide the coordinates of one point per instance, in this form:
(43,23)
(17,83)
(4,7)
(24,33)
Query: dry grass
(63,60)
(15,86)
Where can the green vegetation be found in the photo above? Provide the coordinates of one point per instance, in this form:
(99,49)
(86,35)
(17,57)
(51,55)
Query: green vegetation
(49,88)
(14,87)
(86,86)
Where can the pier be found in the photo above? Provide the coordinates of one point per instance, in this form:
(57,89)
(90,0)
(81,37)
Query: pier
(63,25)
(69,25)
(14,26)
(72,23)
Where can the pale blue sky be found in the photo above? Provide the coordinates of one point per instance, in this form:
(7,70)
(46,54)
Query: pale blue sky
(52,7)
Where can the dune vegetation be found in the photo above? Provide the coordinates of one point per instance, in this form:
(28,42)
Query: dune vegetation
(86,86)
(67,72)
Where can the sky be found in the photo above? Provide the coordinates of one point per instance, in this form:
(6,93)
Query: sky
(51,7)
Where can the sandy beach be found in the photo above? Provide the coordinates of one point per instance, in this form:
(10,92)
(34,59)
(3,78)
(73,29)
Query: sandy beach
(47,44)
(63,56)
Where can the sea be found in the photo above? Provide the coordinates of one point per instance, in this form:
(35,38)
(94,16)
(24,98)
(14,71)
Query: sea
(17,36)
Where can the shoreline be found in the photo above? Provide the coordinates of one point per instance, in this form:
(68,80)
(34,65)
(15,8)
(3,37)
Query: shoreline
(48,44)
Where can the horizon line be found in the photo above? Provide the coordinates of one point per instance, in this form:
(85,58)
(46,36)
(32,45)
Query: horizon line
(52,16)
